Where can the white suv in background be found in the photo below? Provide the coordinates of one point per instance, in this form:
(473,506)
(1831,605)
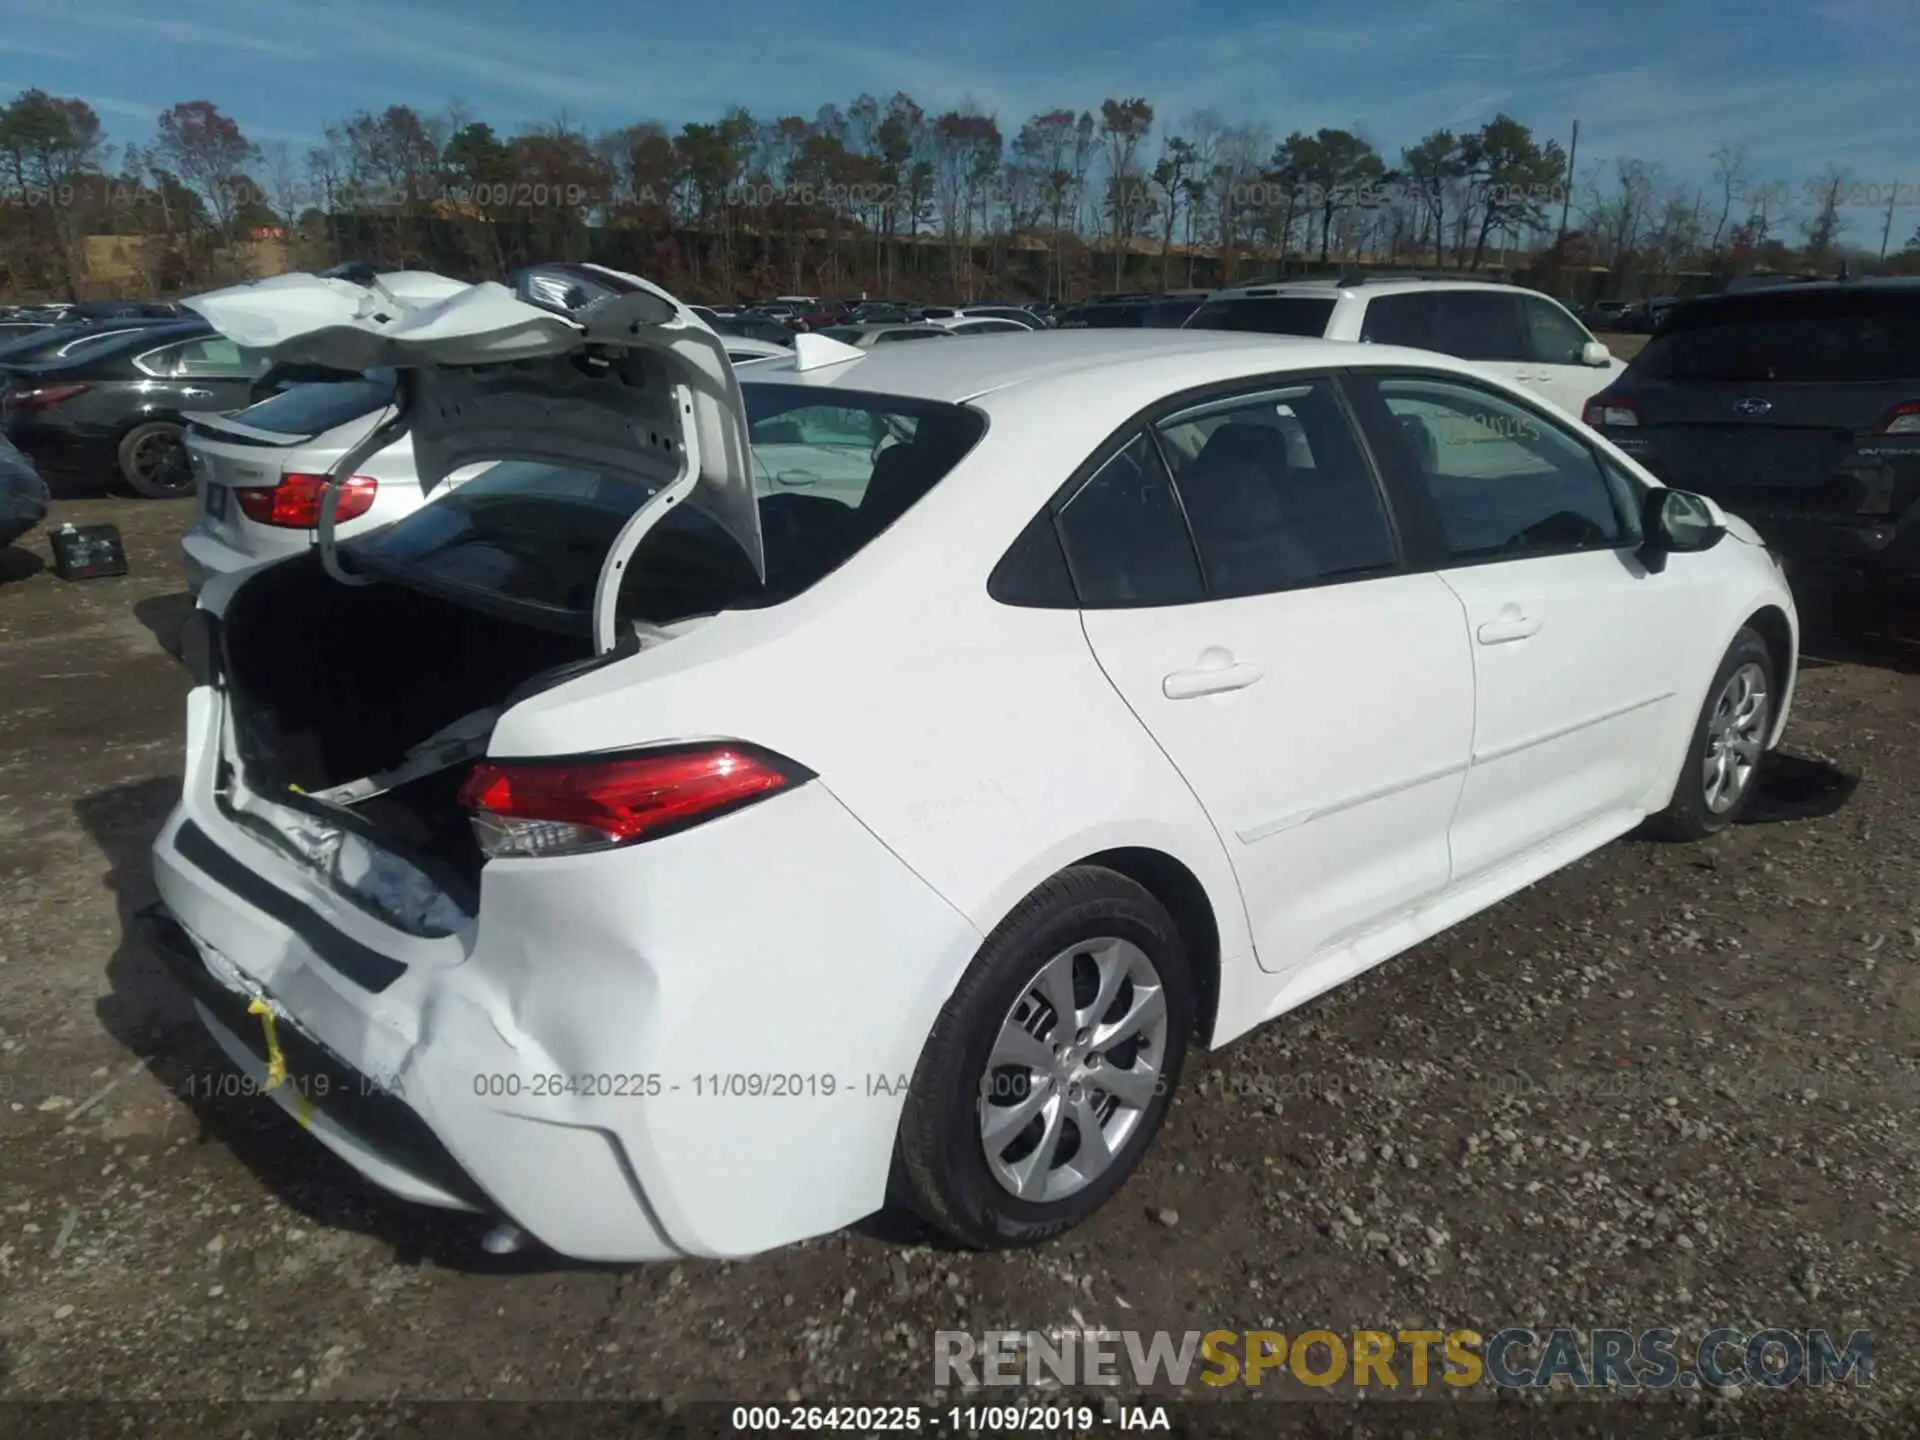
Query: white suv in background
(1517,334)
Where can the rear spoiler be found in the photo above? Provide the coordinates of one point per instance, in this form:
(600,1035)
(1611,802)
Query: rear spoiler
(220,423)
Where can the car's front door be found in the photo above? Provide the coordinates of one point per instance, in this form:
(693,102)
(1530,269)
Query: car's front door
(1575,647)
(1556,346)
(1242,587)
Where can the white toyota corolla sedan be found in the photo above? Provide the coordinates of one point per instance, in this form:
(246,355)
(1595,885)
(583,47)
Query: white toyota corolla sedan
(750,803)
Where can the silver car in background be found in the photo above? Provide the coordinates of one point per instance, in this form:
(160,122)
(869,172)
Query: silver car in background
(261,472)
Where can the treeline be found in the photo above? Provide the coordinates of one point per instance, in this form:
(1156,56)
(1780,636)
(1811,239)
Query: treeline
(884,196)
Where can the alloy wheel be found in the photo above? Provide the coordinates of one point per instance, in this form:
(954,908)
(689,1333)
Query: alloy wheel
(1075,1065)
(1736,738)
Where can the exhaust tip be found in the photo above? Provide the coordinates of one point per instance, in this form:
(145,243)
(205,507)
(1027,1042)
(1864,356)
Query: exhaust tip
(504,1239)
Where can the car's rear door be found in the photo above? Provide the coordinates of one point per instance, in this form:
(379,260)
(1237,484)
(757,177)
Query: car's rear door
(1247,597)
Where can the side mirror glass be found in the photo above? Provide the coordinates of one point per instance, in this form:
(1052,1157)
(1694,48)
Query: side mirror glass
(1678,522)
(1596,354)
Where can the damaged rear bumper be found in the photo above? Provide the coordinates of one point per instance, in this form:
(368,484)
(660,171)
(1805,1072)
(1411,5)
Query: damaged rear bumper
(695,1046)
(348,1111)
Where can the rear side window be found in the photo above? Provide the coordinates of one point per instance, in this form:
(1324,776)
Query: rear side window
(316,408)
(1400,320)
(1824,338)
(215,356)
(1479,325)
(1506,481)
(1277,492)
(1125,538)
(1277,315)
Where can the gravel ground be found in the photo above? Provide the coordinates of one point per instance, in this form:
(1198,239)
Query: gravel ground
(1668,1086)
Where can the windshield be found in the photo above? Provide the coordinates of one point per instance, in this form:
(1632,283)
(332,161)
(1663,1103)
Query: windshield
(1279,315)
(313,409)
(1791,338)
(832,471)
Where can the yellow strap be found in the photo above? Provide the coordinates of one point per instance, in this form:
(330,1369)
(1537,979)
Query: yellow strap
(277,1062)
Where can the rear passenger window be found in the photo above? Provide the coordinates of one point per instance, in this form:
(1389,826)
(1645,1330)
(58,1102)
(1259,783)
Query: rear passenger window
(1277,492)
(1480,325)
(1399,320)
(1506,480)
(1125,538)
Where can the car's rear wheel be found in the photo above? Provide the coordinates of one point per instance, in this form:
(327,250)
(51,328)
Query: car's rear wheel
(1051,1067)
(1729,742)
(153,460)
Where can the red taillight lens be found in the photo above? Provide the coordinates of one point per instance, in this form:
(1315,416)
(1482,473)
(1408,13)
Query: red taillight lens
(1610,414)
(560,807)
(294,504)
(42,397)
(1902,420)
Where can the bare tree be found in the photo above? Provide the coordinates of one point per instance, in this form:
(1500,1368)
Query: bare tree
(1125,125)
(286,193)
(1828,193)
(1730,174)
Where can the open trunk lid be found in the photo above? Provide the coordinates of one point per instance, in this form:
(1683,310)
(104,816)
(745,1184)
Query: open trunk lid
(631,385)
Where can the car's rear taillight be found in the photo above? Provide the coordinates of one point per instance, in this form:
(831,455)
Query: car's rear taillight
(563,807)
(42,397)
(1610,414)
(1902,420)
(294,504)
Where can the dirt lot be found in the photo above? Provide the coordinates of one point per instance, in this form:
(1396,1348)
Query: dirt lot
(1670,1087)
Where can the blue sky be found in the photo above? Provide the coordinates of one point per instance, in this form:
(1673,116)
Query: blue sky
(1802,83)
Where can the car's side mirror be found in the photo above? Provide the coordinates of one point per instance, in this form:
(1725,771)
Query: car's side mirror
(1678,522)
(1596,354)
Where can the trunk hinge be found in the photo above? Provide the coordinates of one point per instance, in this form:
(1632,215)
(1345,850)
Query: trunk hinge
(606,593)
(377,439)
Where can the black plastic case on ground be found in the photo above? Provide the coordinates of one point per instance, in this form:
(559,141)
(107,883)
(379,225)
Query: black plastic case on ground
(86,552)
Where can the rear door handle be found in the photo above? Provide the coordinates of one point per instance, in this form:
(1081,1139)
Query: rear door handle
(197,394)
(1216,674)
(1509,627)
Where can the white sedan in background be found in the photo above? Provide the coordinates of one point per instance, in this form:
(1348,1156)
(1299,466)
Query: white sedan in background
(667,861)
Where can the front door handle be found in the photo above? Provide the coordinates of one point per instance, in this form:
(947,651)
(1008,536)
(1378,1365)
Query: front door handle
(1216,674)
(1511,626)
(193,394)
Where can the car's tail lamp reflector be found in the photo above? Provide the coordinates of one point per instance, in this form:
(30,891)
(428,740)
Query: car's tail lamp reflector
(1612,414)
(1902,420)
(42,397)
(294,503)
(564,807)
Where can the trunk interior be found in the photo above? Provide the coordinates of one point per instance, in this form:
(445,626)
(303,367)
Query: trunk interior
(330,683)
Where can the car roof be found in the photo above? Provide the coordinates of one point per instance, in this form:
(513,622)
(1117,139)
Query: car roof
(960,373)
(1332,289)
(875,327)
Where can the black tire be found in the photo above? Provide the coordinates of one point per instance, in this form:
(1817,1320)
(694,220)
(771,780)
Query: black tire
(1688,815)
(165,480)
(942,1167)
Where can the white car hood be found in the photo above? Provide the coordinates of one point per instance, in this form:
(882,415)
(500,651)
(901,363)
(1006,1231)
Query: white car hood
(634,384)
